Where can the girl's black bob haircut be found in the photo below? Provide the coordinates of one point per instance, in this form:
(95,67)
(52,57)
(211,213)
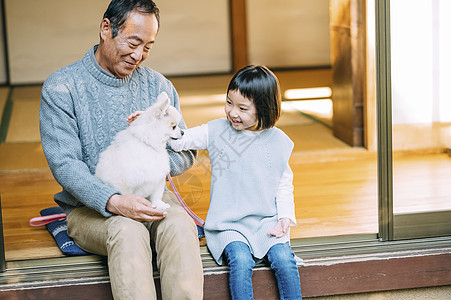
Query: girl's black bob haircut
(261,86)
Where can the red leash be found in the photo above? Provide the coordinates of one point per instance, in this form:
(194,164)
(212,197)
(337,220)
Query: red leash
(39,221)
(196,219)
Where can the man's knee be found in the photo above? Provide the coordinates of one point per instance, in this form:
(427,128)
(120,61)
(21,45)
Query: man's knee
(178,222)
(124,232)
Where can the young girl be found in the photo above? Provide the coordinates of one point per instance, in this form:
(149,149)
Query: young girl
(251,198)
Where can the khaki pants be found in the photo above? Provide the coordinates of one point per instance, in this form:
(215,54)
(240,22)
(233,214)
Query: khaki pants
(127,244)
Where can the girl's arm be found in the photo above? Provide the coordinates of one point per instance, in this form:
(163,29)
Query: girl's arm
(285,204)
(195,138)
(285,198)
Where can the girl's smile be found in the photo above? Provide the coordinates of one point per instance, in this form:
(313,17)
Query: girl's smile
(240,111)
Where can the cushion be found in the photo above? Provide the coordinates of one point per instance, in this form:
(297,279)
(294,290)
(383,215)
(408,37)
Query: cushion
(58,229)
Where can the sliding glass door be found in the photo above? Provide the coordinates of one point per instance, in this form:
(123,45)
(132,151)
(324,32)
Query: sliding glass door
(415,118)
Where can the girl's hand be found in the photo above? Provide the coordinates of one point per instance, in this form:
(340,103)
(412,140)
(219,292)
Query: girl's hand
(133,116)
(281,228)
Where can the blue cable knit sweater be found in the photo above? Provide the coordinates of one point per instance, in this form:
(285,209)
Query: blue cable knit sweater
(82,108)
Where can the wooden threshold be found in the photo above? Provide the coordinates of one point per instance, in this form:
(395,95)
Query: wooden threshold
(381,266)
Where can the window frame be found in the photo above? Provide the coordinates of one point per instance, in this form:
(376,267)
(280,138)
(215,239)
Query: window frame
(406,225)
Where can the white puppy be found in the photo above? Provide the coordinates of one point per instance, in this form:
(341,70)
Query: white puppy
(137,161)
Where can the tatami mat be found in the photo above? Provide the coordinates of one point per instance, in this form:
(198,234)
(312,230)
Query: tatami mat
(3,97)
(24,123)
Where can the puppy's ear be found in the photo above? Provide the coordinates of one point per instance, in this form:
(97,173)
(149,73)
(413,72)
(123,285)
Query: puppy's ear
(162,96)
(163,103)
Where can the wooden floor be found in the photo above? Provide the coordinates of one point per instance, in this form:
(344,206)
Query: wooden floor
(335,185)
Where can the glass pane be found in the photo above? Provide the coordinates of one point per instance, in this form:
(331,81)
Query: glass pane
(421,72)
(335,183)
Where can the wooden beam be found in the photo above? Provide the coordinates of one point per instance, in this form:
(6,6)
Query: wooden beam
(348,36)
(239,34)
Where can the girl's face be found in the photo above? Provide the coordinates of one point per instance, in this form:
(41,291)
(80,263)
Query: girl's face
(240,111)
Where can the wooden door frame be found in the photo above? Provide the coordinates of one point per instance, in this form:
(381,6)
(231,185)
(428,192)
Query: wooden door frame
(348,58)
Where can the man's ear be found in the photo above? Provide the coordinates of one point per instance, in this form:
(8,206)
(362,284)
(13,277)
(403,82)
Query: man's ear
(105,29)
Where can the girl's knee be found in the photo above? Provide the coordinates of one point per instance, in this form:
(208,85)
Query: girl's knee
(238,254)
(281,256)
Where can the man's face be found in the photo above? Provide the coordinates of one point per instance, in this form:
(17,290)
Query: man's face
(124,53)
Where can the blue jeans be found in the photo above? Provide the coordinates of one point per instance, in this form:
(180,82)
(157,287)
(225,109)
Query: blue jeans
(281,260)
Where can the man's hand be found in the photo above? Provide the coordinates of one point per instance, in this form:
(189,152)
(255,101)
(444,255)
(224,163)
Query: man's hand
(134,207)
(281,228)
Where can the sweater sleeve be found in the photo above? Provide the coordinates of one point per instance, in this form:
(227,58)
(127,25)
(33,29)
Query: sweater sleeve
(194,138)
(62,146)
(285,198)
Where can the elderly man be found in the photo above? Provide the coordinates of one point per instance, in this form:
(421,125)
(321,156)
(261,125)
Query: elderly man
(83,106)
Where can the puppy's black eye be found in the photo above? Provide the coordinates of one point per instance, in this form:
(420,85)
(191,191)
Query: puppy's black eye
(173,127)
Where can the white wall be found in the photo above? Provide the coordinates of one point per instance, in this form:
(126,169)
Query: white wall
(444,60)
(194,38)
(289,33)
(421,62)
(421,73)
(45,35)
(412,80)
